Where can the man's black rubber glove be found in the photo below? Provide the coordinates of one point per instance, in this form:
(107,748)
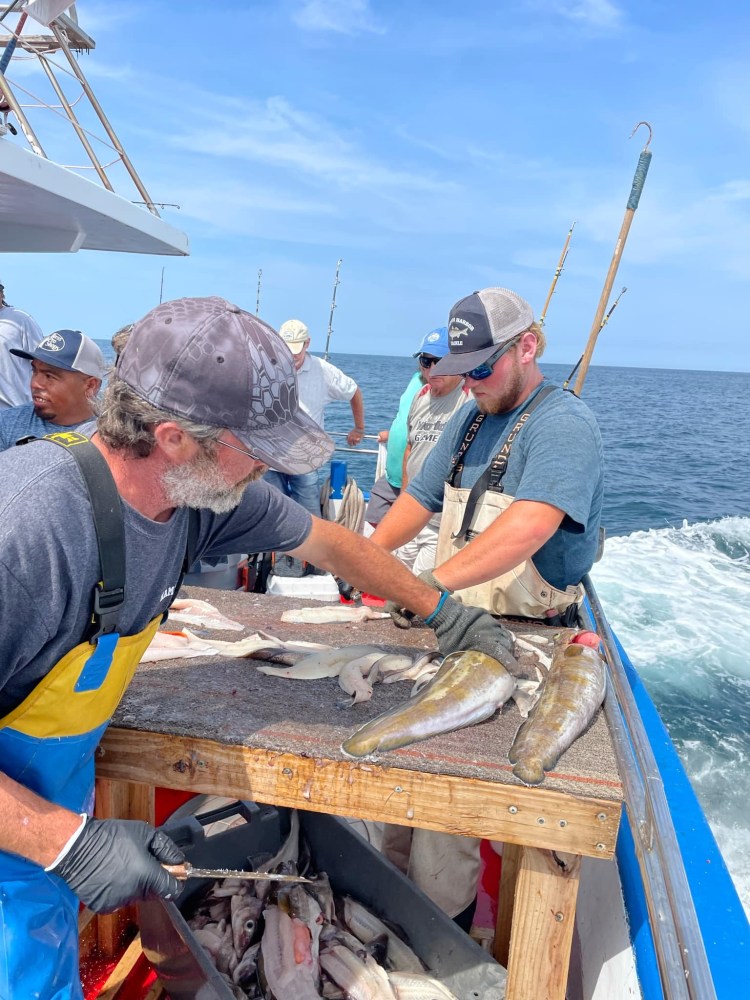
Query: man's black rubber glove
(116,861)
(459,627)
(402,616)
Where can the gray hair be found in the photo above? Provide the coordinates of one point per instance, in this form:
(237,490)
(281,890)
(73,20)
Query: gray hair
(120,339)
(126,422)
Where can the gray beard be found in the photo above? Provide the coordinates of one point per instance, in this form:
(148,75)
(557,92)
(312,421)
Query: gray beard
(201,484)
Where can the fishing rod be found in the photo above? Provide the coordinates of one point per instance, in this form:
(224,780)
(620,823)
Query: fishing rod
(333,306)
(639,178)
(257,296)
(558,272)
(605,320)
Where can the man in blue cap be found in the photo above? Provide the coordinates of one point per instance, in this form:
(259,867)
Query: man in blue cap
(67,369)
(431,409)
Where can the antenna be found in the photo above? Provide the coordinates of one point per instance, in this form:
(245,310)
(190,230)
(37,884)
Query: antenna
(257,296)
(161,287)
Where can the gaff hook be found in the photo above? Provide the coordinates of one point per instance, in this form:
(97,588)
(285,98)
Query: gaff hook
(650,133)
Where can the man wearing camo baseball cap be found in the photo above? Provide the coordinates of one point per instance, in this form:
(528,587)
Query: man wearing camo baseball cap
(96,535)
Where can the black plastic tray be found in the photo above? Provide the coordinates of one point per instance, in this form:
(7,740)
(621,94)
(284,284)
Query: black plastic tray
(353,867)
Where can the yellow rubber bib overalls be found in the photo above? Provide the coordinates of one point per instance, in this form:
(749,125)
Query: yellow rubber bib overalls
(47,743)
(467,513)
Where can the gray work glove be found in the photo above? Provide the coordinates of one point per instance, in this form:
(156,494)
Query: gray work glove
(460,627)
(402,616)
(116,861)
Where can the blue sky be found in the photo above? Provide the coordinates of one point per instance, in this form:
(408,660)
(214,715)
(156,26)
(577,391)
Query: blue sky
(437,148)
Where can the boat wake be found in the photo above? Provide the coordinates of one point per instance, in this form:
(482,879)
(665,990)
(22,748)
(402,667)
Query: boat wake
(677,598)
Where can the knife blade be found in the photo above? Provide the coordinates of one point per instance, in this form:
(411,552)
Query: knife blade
(186,870)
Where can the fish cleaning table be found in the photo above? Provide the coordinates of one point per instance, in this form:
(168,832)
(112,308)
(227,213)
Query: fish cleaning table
(216,725)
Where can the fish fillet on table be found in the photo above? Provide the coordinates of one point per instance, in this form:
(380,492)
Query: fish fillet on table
(468,688)
(572,694)
(332,614)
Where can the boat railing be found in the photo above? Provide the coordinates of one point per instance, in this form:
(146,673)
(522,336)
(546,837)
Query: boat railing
(680,953)
(66,38)
(357,450)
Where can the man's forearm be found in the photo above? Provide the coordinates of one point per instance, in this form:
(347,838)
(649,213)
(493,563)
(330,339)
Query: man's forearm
(365,565)
(358,410)
(513,537)
(404,521)
(30,825)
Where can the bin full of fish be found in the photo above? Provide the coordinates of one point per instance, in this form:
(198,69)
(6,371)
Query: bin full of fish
(358,929)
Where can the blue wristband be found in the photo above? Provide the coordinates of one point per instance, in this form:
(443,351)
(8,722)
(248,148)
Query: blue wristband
(443,598)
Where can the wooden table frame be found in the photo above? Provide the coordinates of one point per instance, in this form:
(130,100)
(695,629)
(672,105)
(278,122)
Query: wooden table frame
(545,832)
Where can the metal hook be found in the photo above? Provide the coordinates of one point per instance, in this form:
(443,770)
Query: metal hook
(650,133)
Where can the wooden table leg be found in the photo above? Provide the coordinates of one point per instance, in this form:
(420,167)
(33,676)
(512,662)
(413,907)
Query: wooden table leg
(505,899)
(119,800)
(543,919)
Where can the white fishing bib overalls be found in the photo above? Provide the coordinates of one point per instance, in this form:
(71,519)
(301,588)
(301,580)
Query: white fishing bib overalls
(468,513)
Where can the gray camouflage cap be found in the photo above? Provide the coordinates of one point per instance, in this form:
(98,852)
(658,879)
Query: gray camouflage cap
(210,361)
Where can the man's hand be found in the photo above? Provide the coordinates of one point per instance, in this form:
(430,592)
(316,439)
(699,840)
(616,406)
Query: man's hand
(116,861)
(402,616)
(459,627)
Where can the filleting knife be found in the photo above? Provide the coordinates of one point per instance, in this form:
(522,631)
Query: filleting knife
(186,870)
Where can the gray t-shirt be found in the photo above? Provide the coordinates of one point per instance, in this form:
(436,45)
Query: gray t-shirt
(428,417)
(49,560)
(21,421)
(556,458)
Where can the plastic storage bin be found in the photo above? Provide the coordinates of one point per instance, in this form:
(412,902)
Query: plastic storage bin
(353,867)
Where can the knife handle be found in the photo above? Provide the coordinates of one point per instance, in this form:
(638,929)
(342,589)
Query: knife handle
(179,871)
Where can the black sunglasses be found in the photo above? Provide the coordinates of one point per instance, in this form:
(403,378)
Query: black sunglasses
(426,360)
(484,370)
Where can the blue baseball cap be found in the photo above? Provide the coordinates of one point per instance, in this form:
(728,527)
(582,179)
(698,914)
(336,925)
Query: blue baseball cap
(435,343)
(70,350)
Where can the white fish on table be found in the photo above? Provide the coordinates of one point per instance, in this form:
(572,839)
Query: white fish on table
(176,646)
(195,612)
(183,644)
(331,614)
(327,663)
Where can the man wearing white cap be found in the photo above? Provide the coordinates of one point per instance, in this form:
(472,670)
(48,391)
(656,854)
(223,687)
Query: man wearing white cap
(67,369)
(320,383)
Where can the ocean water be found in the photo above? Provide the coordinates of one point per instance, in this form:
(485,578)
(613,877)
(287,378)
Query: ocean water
(675,575)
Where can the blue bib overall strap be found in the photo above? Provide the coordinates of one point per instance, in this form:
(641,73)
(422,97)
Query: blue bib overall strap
(492,477)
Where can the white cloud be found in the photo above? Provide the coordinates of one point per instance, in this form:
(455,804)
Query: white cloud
(276,133)
(346,17)
(601,15)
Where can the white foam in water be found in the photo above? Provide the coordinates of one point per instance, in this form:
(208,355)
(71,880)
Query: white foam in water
(678,599)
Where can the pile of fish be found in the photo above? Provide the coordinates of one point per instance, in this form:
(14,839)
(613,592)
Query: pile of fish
(301,941)
(470,687)
(359,667)
(463,689)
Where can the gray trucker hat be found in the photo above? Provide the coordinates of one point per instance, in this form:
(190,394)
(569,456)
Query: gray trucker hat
(481,323)
(210,361)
